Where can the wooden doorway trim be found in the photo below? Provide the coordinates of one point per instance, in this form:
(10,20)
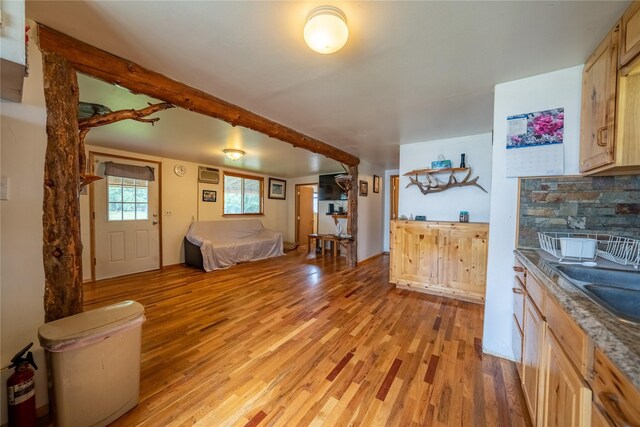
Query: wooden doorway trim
(297,219)
(92,217)
(393,196)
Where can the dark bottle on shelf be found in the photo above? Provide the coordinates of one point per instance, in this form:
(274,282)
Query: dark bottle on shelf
(462,164)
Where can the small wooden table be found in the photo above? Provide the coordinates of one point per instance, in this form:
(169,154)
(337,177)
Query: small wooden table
(324,238)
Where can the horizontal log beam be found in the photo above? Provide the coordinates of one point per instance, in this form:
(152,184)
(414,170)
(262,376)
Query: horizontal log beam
(113,69)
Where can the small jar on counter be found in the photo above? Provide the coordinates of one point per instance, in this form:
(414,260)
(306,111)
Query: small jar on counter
(464,216)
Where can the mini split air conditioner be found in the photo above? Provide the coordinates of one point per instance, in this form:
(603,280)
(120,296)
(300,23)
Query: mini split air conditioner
(208,175)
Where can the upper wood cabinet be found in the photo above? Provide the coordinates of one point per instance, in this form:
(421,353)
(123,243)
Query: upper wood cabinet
(610,120)
(447,259)
(630,34)
(597,125)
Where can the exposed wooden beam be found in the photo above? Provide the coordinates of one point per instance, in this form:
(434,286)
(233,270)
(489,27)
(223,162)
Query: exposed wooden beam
(113,69)
(61,242)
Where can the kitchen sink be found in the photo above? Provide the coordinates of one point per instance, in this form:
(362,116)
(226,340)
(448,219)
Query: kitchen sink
(614,290)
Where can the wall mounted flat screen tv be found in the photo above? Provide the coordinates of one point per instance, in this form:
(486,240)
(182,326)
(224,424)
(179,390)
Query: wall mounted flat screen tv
(328,189)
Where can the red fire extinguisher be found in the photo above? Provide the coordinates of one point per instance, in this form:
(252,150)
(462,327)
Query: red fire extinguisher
(21,390)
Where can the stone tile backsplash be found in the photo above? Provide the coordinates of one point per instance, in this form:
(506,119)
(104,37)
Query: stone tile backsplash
(570,204)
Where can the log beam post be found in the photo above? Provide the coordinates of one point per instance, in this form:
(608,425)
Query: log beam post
(352,218)
(62,245)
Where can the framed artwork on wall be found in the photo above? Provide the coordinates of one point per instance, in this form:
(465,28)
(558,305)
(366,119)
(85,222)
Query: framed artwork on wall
(277,189)
(376,184)
(209,195)
(364,188)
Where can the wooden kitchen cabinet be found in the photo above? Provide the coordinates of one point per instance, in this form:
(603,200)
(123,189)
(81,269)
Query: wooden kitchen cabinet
(610,118)
(598,117)
(566,380)
(463,259)
(414,254)
(630,34)
(441,258)
(534,338)
(598,418)
(566,397)
(613,391)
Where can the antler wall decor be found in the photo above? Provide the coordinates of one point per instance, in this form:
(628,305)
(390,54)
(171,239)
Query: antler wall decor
(433,185)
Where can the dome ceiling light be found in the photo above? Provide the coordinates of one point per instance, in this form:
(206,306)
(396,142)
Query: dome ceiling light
(326,29)
(233,154)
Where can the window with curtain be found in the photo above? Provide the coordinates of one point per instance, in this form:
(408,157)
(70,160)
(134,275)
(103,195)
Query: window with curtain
(242,194)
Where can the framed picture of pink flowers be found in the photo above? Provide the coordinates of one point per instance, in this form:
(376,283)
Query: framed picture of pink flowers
(539,128)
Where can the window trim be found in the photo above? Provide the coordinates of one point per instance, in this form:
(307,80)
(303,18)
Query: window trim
(243,176)
(135,203)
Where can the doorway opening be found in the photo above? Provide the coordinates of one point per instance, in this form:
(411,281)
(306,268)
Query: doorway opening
(306,213)
(125,220)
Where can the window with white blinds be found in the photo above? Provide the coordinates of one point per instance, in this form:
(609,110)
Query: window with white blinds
(242,194)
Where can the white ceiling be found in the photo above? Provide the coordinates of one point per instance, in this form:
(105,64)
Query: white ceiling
(184,135)
(410,72)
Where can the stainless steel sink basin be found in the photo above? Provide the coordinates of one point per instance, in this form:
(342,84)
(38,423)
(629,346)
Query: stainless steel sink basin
(616,291)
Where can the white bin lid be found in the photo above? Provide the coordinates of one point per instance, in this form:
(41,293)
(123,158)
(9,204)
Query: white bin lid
(86,327)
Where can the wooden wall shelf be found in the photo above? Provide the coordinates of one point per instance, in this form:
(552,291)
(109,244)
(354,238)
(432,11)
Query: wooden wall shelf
(432,184)
(434,171)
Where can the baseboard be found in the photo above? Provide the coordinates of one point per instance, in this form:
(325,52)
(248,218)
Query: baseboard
(500,356)
(371,258)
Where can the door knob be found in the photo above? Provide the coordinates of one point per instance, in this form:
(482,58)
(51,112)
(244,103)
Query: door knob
(155,221)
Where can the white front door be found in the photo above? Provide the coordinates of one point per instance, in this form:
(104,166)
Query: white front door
(126,218)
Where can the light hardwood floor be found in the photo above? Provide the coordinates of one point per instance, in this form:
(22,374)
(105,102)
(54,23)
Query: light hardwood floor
(300,340)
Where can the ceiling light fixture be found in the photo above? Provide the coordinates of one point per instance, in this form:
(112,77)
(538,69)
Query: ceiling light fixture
(233,154)
(326,29)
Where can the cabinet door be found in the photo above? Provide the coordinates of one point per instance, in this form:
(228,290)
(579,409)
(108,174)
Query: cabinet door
(516,343)
(630,34)
(416,254)
(598,419)
(566,397)
(597,124)
(534,332)
(463,260)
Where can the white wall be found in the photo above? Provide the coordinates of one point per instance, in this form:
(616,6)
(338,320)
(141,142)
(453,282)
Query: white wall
(370,217)
(552,90)
(446,206)
(387,207)
(182,203)
(23,143)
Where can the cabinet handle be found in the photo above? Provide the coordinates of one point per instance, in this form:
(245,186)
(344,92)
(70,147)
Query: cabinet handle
(517,291)
(518,269)
(599,140)
(611,405)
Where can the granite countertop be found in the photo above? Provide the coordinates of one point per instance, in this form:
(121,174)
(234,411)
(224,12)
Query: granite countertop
(618,340)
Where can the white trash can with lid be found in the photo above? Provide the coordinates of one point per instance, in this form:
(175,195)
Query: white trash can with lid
(94,358)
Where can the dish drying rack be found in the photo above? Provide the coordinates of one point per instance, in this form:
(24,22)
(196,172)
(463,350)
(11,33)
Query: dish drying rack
(621,250)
